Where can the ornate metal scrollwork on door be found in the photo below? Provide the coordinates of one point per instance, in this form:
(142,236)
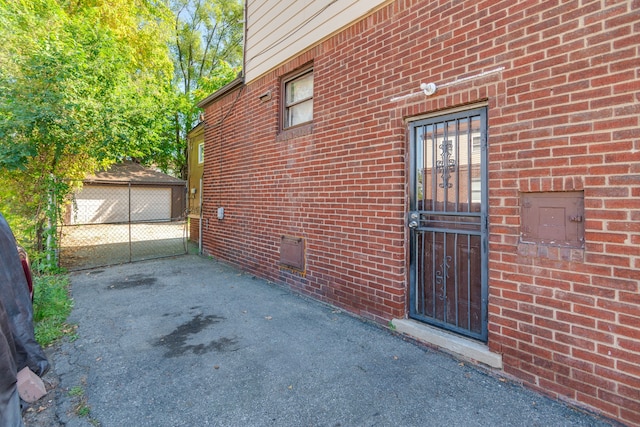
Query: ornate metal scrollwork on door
(447,164)
(443,274)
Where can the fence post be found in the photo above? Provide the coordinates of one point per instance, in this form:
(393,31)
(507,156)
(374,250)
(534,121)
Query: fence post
(200,219)
(49,230)
(51,212)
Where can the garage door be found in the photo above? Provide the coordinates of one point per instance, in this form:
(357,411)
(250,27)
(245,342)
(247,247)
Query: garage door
(110,204)
(150,204)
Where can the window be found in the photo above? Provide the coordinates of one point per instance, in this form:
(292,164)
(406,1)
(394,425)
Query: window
(298,99)
(201,153)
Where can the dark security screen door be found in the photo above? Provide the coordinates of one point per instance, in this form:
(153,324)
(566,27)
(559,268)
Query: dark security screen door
(448,222)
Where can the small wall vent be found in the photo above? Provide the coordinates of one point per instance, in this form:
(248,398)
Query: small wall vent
(292,252)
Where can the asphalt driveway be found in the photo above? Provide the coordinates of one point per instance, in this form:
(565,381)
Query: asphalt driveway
(189,341)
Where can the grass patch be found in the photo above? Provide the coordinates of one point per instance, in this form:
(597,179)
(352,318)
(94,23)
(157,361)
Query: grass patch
(76,391)
(80,405)
(83,410)
(51,307)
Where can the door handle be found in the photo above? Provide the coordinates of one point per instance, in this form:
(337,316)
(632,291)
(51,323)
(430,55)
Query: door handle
(413,224)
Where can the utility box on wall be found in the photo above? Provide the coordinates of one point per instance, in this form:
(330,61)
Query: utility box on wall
(553,218)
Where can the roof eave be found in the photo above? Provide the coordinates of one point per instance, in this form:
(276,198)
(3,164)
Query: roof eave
(234,84)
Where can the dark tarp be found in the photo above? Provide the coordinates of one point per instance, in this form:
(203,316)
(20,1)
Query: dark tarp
(10,413)
(14,294)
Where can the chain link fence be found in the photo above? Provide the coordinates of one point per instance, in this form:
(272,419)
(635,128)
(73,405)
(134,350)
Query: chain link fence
(119,223)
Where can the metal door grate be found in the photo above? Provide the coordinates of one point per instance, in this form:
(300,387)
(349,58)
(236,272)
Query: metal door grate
(448,219)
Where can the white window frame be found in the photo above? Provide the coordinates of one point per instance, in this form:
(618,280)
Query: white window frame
(286,107)
(201,153)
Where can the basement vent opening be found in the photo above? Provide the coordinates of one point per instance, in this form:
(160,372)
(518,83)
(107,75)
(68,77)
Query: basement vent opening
(292,252)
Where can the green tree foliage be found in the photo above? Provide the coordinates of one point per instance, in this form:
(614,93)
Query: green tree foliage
(83,84)
(207,54)
(86,83)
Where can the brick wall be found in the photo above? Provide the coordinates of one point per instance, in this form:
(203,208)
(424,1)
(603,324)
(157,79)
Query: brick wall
(194,229)
(563,116)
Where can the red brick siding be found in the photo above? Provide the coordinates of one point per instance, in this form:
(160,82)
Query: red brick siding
(563,116)
(194,229)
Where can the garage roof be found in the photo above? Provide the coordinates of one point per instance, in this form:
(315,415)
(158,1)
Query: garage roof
(131,172)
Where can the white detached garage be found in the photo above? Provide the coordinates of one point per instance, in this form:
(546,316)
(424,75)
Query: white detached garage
(128,192)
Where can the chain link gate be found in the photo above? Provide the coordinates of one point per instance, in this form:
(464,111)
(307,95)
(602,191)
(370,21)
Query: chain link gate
(114,224)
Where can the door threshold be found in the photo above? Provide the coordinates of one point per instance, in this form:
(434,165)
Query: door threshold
(451,343)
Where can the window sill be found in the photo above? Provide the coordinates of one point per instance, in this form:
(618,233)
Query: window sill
(295,132)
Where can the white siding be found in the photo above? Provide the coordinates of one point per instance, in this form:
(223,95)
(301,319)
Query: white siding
(277,30)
